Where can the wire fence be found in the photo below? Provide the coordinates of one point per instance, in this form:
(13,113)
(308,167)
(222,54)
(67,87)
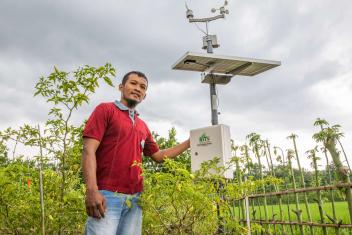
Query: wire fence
(283,211)
(321,204)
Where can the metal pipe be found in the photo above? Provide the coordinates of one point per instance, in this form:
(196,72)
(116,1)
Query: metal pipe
(41,183)
(212,86)
(206,20)
(246,202)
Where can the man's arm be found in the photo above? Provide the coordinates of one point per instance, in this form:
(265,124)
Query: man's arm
(171,152)
(95,201)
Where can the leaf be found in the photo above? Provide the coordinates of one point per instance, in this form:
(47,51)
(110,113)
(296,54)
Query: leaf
(128,203)
(178,186)
(108,81)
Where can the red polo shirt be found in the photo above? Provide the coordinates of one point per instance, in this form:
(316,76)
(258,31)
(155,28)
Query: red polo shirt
(122,143)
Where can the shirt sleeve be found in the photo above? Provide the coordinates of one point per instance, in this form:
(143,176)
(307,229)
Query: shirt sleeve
(150,146)
(97,123)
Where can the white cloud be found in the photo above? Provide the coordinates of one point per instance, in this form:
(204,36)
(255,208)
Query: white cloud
(334,95)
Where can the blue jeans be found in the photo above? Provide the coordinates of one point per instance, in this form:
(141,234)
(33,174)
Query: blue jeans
(123,216)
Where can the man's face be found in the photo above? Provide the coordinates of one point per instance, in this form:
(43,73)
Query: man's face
(134,90)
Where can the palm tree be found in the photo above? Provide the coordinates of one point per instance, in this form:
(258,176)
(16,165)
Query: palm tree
(256,143)
(321,123)
(328,136)
(248,161)
(276,187)
(280,159)
(293,137)
(312,155)
(298,211)
(340,134)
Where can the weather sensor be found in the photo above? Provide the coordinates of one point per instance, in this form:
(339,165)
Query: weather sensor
(215,141)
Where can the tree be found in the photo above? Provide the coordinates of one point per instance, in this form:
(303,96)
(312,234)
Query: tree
(322,123)
(329,136)
(61,141)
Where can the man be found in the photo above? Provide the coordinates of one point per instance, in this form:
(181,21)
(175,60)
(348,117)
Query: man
(114,139)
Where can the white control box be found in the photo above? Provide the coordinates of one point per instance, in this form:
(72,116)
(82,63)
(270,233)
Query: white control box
(210,142)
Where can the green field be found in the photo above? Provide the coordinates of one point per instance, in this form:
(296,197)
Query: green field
(341,209)
(341,212)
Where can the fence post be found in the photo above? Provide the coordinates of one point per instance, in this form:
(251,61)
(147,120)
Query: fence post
(298,211)
(41,183)
(263,187)
(289,210)
(246,202)
(239,179)
(317,184)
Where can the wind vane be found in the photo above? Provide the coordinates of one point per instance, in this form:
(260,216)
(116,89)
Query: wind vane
(209,41)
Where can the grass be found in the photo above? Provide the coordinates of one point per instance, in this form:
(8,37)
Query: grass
(341,214)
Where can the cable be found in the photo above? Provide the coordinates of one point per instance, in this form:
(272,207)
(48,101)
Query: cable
(200,28)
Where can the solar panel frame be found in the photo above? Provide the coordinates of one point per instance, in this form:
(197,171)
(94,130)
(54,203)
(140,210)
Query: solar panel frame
(223,64)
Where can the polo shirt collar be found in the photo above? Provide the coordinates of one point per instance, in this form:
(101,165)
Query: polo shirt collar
(131,112)
(120,105)
(123,107)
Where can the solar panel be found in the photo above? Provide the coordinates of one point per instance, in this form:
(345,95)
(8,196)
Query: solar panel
(211,63)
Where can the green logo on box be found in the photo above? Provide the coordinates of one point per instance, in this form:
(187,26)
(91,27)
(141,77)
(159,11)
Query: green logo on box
(204,139)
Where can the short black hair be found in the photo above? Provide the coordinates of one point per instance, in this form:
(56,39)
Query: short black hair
(139,74)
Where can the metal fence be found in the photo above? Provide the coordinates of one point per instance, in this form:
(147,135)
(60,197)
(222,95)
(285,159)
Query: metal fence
(286,216)
(292,207)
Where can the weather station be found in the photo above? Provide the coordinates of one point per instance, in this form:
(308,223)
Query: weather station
(215,141)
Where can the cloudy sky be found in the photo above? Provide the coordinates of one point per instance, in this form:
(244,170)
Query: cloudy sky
(312,39)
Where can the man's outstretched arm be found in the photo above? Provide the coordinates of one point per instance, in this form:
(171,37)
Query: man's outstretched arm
(171,152)
(95,201)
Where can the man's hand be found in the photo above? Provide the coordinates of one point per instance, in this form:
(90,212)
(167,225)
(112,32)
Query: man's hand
(95,204)
(171,152)
(95,201)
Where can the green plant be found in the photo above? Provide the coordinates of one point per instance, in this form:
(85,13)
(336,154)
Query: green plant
(60,141)
(328,136)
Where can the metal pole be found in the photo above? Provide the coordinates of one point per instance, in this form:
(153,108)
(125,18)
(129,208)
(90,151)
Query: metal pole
(213,95)
(213,102)
(246,202)
(41,183)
